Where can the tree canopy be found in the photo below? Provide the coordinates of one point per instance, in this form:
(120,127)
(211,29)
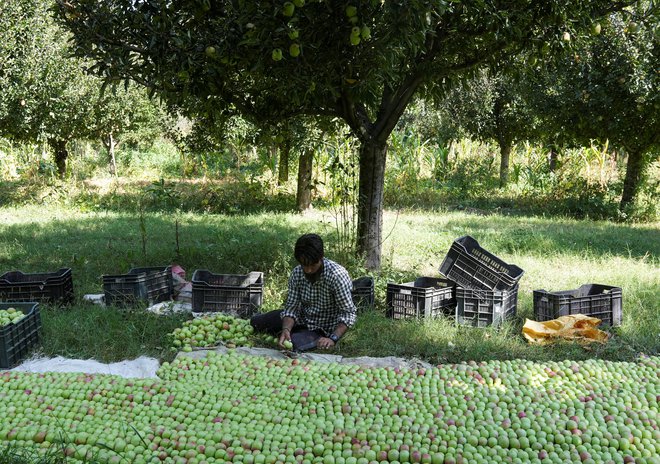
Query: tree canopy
(361,61)
(608,88)
(45,94)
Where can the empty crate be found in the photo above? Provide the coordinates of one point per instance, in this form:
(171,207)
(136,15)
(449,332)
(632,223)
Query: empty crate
(472,267)
(595,300)
(483,308)
(17,339)
(239,295)
(363,292)
(53,287)
(425,297)
(150,284)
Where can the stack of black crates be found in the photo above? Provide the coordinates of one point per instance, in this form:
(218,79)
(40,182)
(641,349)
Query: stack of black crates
(23,292)
(479,289)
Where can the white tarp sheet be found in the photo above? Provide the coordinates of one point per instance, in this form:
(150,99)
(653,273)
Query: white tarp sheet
(142,367)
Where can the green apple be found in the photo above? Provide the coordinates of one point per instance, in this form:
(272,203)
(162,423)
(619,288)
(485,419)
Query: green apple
(566,37)
(294,50)
(365,32)
(299,3)
(351,11)
(288,9)
(288,344)
(277,54)
(595,28)
(293,34)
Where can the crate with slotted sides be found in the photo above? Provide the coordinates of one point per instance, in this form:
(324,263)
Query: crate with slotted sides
(236,294)
(18,338)
(595,300)
(50,287)
(473,267)
(426,297)
(485,308)
(141,284)
(363,293)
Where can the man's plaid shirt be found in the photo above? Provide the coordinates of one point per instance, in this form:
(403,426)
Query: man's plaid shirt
(324,303)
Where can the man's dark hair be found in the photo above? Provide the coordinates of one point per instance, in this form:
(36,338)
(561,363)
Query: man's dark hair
(308,249)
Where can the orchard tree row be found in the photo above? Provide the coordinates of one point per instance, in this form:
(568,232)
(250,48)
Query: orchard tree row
(46,95)
(559,73)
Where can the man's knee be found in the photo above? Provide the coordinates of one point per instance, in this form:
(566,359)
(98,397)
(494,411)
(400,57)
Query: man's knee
(267,322)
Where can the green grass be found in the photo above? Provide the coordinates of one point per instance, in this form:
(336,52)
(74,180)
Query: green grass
(556,254)
(14,455)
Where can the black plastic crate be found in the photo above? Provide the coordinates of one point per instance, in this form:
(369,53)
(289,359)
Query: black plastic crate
(472,267)
(595,300)
(425,297)
(484,308)
(236,294)
(53,287)
(363,292)
(150,284)
(17,339)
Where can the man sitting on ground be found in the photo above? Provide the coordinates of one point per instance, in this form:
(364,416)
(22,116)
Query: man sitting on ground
(319,306)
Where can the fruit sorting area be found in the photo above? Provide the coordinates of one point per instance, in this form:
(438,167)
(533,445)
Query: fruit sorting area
(238,408)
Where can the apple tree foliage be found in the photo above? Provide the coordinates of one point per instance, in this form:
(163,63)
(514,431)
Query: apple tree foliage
(44,94)
(608,89)
(491,106)
(126,115)
(360,61)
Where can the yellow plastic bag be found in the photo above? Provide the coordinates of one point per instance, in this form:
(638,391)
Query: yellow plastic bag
(578,327)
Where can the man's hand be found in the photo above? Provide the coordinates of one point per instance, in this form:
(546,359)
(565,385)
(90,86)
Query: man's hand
(325,343)
(285,336)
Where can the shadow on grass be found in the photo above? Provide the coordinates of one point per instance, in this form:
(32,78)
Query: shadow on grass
(551,237)
(98,244)
(441,341)
(121,195)
(93,244)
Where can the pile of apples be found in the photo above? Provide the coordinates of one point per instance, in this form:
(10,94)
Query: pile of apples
(10,315)
(237,408)
(212,330)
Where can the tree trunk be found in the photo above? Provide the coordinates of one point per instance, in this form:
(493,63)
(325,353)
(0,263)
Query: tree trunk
(283,168)
(505,154)
(272,157)
(634,174)
(373,155)
(60,154)
(110,145)
(553,158)
(304,191)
